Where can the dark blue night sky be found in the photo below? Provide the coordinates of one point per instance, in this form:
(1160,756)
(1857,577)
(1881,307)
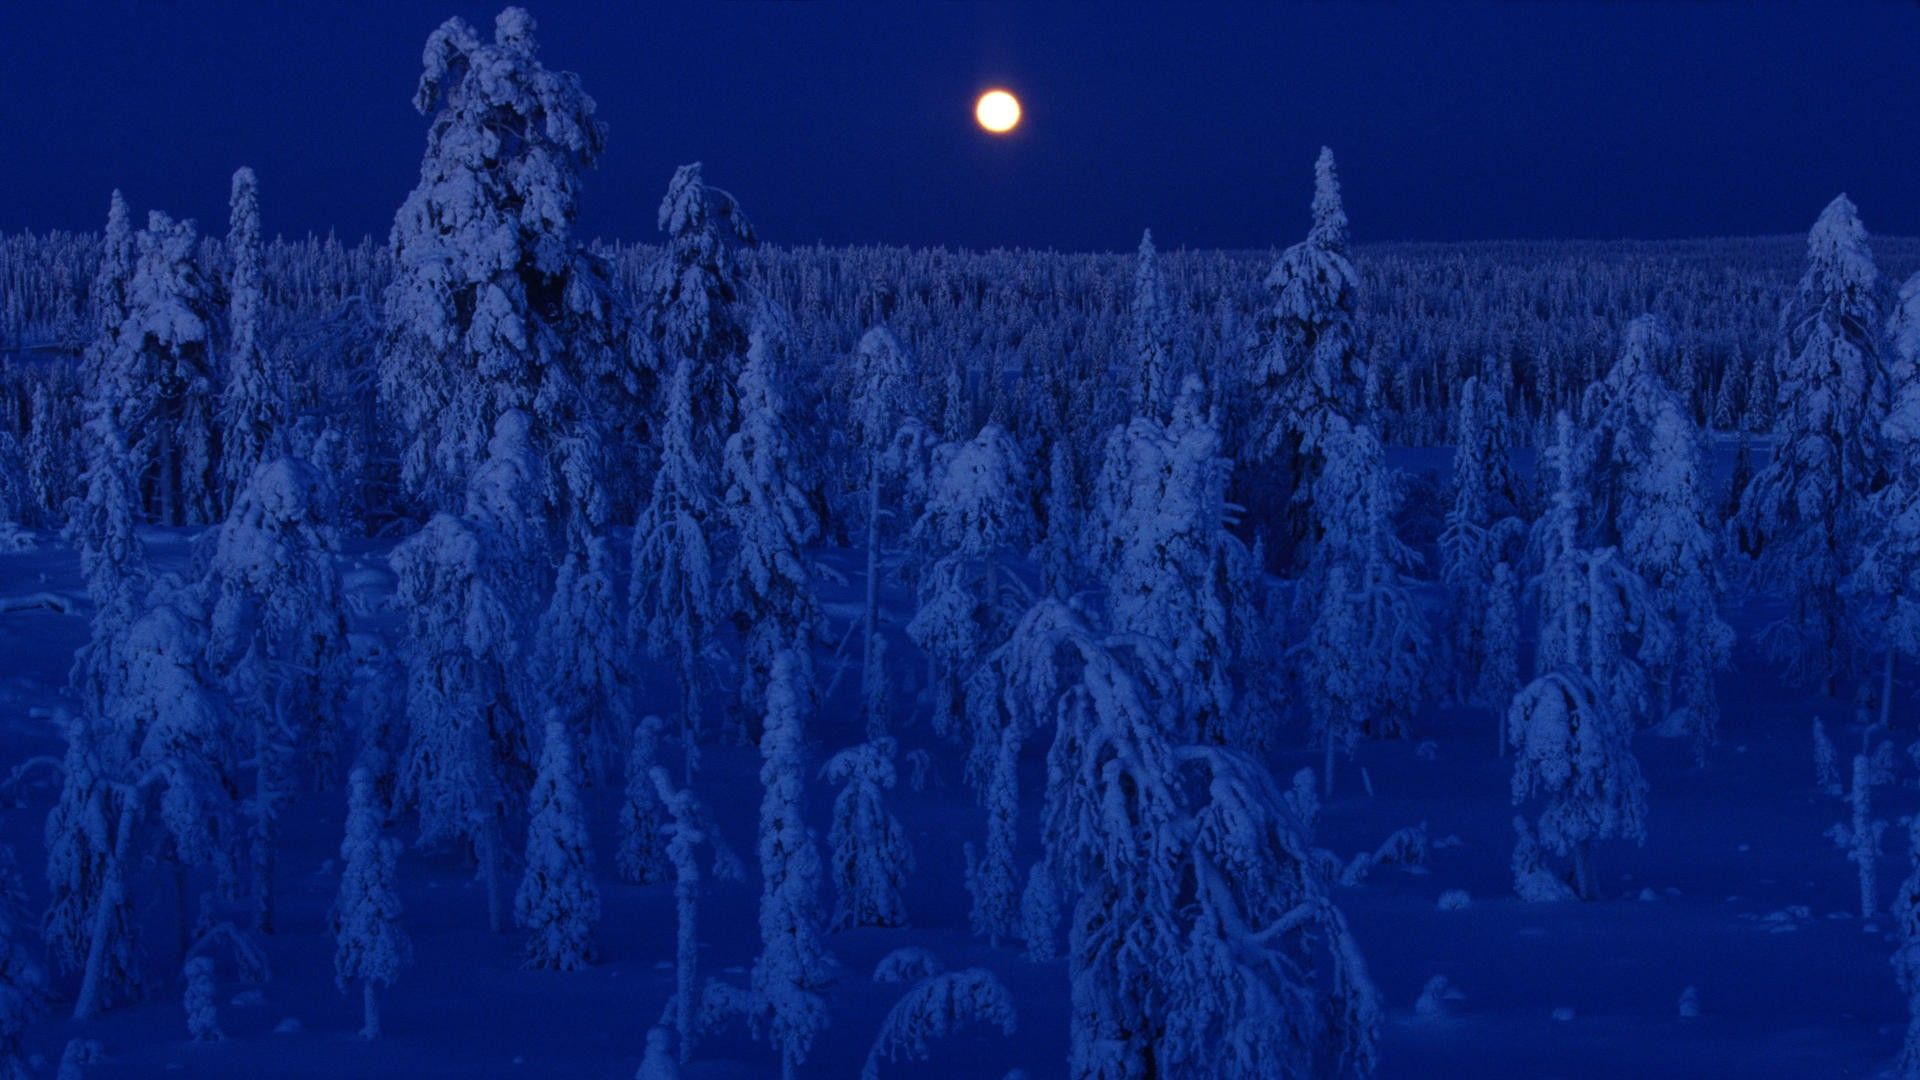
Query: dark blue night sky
(844,122)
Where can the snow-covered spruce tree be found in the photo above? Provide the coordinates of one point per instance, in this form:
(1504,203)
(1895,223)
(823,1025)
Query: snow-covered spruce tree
(1161,513)
(493,304)
(879,380)
(370,945)
(659,1063)
(770,582)
(977,511)
(1886,584)
(584,672)
(688,826)
(671,608)
(871,857)
(1574,751)
(101,382)
(1500,664)
(22,984)
(1906,953)
(1650,502)
(1306,377)
(277,642)
(90,926)
(1059,549)
(696,306)
(256,407)
(113,561)
(1597,617)
(1160,366)
(1385,636)
(785,1005)
(558,903)
(466,764)
(934,1008)
(1480,529)
(641,856)
(1803,515)
(159,377)
(49,453)
(1203,943)
(991,876)
(1859,837)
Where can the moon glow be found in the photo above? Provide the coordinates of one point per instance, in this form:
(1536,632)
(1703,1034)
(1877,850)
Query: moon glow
(997,111)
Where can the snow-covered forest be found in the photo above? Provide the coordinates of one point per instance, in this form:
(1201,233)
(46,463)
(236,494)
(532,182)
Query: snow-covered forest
(496,651)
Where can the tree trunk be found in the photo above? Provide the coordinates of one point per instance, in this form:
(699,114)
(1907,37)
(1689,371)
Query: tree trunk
(1583,869)
(370,1028)
(490,860)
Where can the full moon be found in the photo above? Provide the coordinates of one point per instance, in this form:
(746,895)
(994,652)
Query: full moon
(997,111)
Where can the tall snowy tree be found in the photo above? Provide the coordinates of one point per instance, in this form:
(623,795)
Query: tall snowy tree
(689,826)
(1649,501)
(1160,505)
(1802,515)
(696,307)
(158,375)
(278,641)
(494,305)
(1480,528)
(785,1004)
(108,297)
(770,587)
(256,408)
(467,760)
(1160,369)
(558,903)
(1307,377)
(370,945)
(671,608)
(880,383)
(870,855)
(584,671)
(977,510)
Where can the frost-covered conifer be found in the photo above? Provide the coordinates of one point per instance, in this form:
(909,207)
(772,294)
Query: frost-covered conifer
(49,444)
(935,1008)
(1160,367)
(277,640)
(1307,378)
(991,876)
(370,945)
(1195,914)
(493,304)
(641,857)
(696,307)
(1161,511)
(1500,664)
(688,827)
(256,409)
(1381,631)
(108,297)
(1480,527)
(466,763)
(200,1000)
(89,925)
(1650,502)
(670,604)
(880,383)
(1573,751)
(1886,585)
(658,1064)
(1060,544)
(558,903)
(770,586)
(871,857)
(113,561)
(977,510)
(1533,882)
(159,375)
(577,651)
(785,1005)
(1803,515)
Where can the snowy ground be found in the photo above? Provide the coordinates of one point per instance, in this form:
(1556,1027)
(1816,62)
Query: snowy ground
(1737,893)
